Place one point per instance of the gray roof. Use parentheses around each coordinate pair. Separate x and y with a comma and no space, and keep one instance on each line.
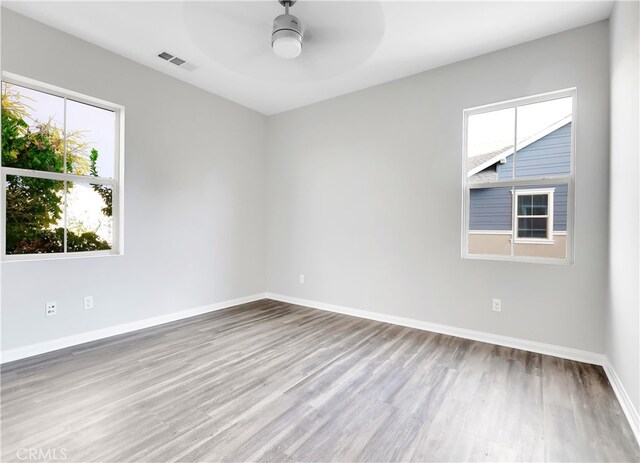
(475,161)
(490,174)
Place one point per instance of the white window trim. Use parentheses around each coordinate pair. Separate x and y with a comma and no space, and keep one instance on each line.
(549,216)
(490,232)
(569,180)
(117,183)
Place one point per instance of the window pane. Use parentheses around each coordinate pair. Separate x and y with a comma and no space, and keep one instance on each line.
(540,200)
(532,228)
(90,140)
(490,221)
(32,129)
(524,204)
(490,138)
(89,217)
(544,139)
(533,204)
(34,215)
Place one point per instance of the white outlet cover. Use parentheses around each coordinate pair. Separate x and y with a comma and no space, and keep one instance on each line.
(301,278)
(88,302)
(497,305)
(51,309)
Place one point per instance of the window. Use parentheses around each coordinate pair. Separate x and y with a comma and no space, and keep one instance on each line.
(534,215)
(518,179)
(61,172)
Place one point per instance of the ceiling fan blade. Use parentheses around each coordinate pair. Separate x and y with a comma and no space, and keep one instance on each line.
(240,13)
(333,34)
(218,20)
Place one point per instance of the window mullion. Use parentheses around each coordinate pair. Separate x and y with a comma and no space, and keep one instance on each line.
(65,222)
(514,196)
(64,138)
(550,216)
(64,170)
(58,176)
(3,197)
(565,179)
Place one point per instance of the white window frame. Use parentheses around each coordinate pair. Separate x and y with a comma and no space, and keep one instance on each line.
(549,216)
(116,183)
(534,183)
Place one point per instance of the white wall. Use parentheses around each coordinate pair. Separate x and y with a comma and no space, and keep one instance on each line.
(194,200)
(365,198)
(623,321)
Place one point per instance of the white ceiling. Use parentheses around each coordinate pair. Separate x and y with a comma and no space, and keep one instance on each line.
(348,45)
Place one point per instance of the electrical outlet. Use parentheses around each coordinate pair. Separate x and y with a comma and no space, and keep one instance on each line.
(88,302)
(301,278)
(51,309)
(497,305)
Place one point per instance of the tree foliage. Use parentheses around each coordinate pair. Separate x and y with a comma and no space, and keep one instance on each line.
(104,191)
(35,206)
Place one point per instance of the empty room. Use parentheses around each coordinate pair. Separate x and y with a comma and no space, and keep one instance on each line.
(320,231)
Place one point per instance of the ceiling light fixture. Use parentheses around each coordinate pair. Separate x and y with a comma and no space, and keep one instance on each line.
(286,38)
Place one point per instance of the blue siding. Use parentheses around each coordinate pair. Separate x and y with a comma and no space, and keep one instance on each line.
(551,155)
(560,208)
(490,208)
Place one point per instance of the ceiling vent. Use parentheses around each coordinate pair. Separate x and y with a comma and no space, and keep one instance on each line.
(177,61)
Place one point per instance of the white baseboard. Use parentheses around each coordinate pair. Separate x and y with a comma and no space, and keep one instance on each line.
(516,343)
(625,401)
(48,346)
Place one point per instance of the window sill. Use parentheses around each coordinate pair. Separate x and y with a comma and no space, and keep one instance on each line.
(59,256)
(519,259)
(533,241)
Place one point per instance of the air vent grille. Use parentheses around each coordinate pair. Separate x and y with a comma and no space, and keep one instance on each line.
(177,61)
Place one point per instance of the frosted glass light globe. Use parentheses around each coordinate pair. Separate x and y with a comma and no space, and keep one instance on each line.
(287,46)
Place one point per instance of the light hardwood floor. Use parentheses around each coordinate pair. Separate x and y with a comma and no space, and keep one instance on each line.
(269,381)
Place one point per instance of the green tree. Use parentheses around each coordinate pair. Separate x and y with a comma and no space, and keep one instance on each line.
(34,206)
(104,191)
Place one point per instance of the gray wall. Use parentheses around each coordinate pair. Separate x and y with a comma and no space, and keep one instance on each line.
(623,318)
(194,200)
(364,198)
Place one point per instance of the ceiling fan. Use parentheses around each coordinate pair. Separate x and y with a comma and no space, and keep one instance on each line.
(325,41)
(286,38)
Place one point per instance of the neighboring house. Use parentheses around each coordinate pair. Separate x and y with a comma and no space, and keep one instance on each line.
(541,214)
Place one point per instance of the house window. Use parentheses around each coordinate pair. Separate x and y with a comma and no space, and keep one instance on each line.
(61,172)
(534,215)
(518,179)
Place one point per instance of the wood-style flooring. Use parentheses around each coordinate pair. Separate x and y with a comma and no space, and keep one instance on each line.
(269,381)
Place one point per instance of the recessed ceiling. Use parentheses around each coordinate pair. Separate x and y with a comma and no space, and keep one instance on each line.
(348,46)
